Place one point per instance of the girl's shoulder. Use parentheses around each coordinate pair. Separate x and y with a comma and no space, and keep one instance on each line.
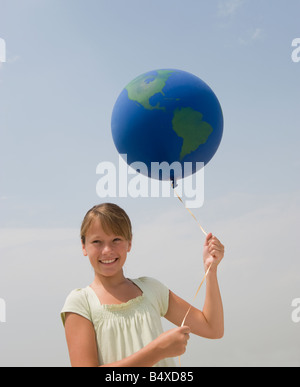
(149,282)
(77,302)
(77,295)
(155,291)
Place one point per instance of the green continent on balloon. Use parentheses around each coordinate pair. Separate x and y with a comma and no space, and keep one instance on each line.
(142,88)
(189,124)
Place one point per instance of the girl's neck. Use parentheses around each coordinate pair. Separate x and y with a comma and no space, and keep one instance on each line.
(109,282)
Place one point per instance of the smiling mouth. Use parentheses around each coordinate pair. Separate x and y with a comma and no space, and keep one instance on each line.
(108,261)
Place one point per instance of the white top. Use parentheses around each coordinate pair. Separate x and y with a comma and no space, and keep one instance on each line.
(123,329)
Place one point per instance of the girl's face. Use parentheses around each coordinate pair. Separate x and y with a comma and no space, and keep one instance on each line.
(107,253)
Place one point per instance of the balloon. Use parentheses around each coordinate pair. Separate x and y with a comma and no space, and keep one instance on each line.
(167,116)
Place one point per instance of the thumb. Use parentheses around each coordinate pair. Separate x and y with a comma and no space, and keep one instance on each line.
(185,329)
(208,237)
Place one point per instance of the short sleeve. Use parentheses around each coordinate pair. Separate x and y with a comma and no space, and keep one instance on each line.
(157,292)
(76,302)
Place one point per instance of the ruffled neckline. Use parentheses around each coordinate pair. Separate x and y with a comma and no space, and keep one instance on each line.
(124,305)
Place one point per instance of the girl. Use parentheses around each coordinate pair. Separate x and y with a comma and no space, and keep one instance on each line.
(116,321)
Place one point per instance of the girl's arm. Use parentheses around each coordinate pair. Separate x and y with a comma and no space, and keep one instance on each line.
(208,323)
(81,340)
(82,345)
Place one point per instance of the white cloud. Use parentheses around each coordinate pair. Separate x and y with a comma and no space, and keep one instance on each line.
(19,237)
(251,37)
(227,8)
(256,34)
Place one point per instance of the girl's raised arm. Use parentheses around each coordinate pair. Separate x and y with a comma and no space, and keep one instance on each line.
(208,323)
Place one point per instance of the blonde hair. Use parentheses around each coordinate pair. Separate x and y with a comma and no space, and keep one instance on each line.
(113,220)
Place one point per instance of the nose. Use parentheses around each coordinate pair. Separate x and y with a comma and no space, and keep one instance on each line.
(107,249)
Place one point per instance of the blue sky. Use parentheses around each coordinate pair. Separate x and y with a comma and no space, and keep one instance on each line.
(67,61)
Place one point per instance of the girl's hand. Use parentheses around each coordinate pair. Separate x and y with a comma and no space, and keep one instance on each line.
(213,252)
(173,342)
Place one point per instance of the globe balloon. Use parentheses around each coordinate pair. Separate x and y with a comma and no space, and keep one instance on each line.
(167,116)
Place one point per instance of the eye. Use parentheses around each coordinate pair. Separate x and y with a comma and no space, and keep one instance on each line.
(117,240)
(96,242)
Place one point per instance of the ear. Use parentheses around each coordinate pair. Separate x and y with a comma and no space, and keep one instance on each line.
(84,249)
(129,246)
